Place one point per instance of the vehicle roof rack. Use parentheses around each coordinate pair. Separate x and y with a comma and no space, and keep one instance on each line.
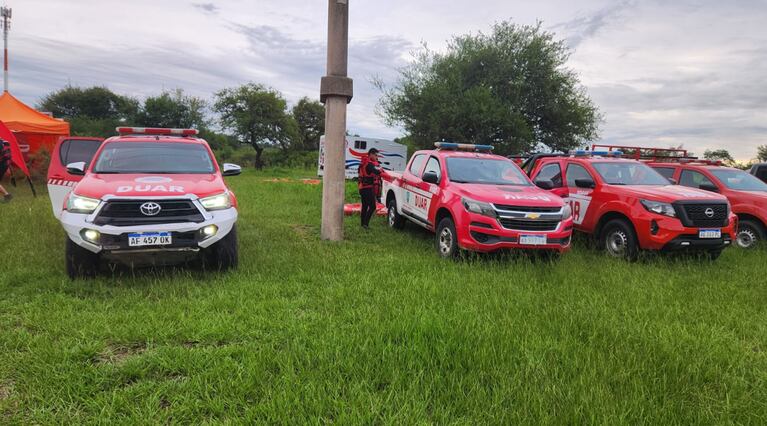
(451,146)
(660,155)
(593,153)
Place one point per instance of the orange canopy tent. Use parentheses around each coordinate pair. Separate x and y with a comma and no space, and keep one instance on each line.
(33,129)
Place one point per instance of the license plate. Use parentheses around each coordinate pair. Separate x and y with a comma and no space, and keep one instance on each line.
(710,233)
(532,240)
(149,239)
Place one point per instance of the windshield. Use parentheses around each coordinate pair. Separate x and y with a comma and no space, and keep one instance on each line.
(154,158)
(485,171)
(625,173)
(739,180)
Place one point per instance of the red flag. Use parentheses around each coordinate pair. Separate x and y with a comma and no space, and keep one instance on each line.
(16,157)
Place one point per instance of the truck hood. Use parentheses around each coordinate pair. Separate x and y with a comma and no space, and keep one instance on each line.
(531,196)
(670,193)
(138,185)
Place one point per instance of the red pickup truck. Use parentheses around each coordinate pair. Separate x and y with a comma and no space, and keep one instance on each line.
(476,201)
(628,206)
(746,193)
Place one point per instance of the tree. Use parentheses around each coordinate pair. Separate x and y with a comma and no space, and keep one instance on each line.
(173,109)
(257,116)
(93,111)
(509,88)
(310,119)
(761,153)
(719,154)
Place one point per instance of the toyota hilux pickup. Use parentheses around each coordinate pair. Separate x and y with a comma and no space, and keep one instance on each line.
(474,200)
(152,196)
(628,206)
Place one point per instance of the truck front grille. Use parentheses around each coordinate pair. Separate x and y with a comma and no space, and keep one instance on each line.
(529,225)
(527,209)
(695,215)
(128,213)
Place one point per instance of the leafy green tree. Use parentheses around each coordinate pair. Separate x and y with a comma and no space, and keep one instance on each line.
(510,88)
(258,116)
(92,111)
(310,120)
(719,154)
(761,153)
(173,109)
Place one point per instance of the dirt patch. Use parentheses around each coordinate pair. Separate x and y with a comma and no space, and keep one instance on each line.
(6,390)
(119,353)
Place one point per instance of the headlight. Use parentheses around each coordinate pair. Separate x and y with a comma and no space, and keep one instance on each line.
(665,209)
(217,202)
(567,211)
(478,207)
(78,204)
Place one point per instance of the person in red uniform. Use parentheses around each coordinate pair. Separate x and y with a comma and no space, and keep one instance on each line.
(369,184)
(5,162)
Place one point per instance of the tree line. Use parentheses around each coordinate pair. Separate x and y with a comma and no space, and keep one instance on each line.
(252,115)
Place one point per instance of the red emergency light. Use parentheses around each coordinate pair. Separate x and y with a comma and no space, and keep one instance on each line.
(156,131)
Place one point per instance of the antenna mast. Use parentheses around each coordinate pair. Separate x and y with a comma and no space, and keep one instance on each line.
(5,13)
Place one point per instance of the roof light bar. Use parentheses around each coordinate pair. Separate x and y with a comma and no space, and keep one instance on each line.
(587,153)
(156,131)
(463,146)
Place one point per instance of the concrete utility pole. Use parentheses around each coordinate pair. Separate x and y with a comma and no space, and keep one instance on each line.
(336,90)
(5,13)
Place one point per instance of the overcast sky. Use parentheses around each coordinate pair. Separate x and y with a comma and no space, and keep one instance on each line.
(662,72)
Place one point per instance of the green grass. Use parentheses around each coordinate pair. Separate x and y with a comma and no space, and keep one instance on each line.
(376,329)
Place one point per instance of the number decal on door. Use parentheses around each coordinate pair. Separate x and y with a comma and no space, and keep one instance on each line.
(580,206)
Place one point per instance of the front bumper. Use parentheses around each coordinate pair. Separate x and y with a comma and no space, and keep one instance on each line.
(114,239)
(484,234)
(656,232)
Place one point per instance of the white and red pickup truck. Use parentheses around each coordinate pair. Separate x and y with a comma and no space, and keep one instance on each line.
(476,201)
(147,196)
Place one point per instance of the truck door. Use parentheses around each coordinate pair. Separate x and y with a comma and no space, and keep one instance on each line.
(413,204)
(553,172)
(579,198)
(61,182)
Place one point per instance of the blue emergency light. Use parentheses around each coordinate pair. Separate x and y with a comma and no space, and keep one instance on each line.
(587,153)
(463,146)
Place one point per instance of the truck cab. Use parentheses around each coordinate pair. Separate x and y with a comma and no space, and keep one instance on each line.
(474,200)
(74,149)
(628,206)
(746,193)
(152,196)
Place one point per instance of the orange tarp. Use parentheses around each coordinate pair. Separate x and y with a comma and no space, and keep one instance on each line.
(33,129)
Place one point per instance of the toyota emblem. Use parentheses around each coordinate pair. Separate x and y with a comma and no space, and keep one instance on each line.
(709,212)
(150,209)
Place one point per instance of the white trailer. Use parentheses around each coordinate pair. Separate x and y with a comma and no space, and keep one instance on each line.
(392,155)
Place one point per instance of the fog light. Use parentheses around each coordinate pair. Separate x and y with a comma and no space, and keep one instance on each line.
(209,231)
(91,235)
(654,228)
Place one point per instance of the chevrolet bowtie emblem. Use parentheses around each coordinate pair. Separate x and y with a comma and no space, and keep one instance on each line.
(532,216)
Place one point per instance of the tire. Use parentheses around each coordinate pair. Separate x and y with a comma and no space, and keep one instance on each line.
(80,262)
(750,234)
(619,240)
(446,239)
(223,255)
(394,219)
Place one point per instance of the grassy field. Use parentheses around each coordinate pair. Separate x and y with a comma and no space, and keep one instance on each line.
(374,330)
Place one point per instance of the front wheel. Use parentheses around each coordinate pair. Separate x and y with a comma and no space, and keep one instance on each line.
(619,240)
(80,263)
(447,239)
(394,219)
(224,254)
(750,234)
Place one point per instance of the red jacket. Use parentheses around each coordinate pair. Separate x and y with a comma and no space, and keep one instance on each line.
(369,174)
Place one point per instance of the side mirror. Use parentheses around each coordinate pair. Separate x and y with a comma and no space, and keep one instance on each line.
(431,177)
(544,184)
(77,169)
(585,183)
(708,187)
(231,169)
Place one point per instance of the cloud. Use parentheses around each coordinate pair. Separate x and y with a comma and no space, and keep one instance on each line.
(209,8)
(587,26)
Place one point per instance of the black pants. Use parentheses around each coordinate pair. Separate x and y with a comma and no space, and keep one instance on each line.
(368,205)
